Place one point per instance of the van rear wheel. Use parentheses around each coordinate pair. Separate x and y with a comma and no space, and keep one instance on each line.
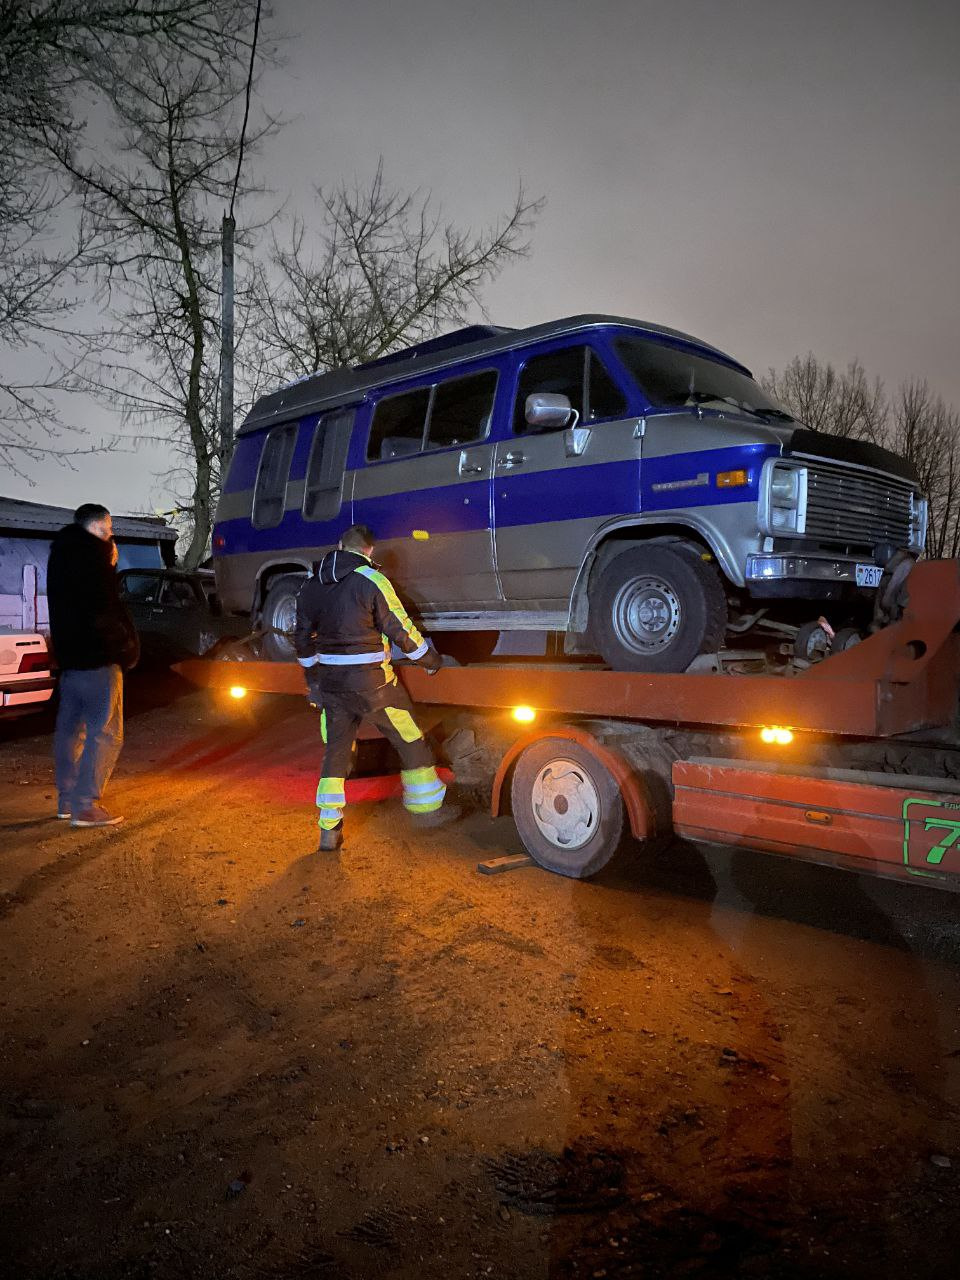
(657,607)
(279,618)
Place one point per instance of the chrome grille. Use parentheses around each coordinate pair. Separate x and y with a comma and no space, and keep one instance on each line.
(856,506)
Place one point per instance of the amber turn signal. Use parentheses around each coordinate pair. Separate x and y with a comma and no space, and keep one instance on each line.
(731,479)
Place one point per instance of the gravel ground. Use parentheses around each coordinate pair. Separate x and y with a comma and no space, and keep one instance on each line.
(222,1055)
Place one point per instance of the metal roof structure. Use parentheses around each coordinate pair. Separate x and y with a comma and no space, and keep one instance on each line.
(17,516)
(342,386)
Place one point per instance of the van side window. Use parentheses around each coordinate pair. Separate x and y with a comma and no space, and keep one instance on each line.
(398,425)
(575,372)
(328,456)
(461,410)
(270,495)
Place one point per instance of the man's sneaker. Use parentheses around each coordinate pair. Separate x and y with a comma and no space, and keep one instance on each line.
(441,817)
(94,816)
(330,841)
(64,815)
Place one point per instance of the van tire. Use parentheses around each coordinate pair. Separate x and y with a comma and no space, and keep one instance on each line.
(656,607)
(279,617)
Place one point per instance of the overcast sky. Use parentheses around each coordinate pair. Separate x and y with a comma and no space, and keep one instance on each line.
(773,177)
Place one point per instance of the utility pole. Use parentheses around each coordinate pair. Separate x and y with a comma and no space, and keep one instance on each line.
(226,340)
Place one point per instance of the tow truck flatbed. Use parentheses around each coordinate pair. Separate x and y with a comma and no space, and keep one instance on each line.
(620,753)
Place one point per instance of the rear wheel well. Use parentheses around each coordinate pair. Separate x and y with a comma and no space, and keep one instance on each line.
(269,576)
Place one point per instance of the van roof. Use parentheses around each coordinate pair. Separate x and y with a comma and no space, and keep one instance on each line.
(343,386)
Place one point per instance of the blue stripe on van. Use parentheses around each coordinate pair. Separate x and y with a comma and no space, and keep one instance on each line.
(606,489)
(451,508)
(684,468)
(292,533)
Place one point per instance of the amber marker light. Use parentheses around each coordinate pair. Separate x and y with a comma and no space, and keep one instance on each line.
(524,715)
(776,735)
(731,479)
(237,691)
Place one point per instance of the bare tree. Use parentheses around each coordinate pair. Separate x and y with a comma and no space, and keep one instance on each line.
(927,432)
(56,56)
(158,199)
(382,270)
(838,403)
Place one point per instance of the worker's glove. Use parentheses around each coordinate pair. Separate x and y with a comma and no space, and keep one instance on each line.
(431,661)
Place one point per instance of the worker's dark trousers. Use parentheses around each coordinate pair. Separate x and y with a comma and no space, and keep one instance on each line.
(364,696)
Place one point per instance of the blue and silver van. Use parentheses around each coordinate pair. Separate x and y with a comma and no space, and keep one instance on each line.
(621,482)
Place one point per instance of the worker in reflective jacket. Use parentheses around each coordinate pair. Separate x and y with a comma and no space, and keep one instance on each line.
(348,616)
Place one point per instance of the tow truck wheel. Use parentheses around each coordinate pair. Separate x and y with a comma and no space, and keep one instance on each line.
(567,808)
(280,617)
(657,607)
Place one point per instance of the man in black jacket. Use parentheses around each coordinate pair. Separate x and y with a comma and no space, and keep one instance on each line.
(348,615)
(94,641)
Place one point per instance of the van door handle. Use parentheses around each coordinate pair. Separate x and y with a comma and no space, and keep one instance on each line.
(468,469)
(511,460)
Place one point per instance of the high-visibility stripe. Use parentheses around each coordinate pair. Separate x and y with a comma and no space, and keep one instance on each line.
(404,724)
(308,662)
(423,790)
(349,659)
(392,599)
(323,726)
(419,652)
(331,802)
(422,773)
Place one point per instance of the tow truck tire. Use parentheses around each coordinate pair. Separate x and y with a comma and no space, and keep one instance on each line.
(657,607)
(279,618)
(567,808)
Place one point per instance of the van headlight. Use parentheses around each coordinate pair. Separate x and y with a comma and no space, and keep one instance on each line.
(783,498)
(919,514)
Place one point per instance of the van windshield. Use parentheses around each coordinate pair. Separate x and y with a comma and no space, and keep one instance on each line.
(671,378)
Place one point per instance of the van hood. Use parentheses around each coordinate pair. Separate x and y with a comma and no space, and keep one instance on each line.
(337,565)
(861,452)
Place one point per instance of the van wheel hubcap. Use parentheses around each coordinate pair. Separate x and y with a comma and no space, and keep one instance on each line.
(646,615)
(565,803)
(284,615)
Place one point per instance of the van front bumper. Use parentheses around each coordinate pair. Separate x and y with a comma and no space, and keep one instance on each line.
(775,571)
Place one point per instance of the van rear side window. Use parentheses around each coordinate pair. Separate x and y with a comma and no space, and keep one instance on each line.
(270,495)
(322,494)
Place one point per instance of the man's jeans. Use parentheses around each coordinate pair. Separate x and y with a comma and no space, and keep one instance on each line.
(88,736)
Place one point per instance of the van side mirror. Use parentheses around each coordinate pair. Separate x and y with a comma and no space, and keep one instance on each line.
(548,411)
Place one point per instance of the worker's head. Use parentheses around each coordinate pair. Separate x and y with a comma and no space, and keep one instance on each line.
(95,519)
(358,538)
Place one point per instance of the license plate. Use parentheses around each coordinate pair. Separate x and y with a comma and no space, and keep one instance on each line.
(869,575)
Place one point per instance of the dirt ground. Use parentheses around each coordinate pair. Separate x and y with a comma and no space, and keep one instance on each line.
(222,1055)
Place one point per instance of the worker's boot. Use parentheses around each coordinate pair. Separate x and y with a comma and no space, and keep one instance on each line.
(441,817)
(330,841)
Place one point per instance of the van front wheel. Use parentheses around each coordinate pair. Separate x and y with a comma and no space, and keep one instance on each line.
(279,618)
(657,607)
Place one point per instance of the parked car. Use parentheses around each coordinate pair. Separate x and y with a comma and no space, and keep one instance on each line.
(176,612)
(621,482)
(26,677)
